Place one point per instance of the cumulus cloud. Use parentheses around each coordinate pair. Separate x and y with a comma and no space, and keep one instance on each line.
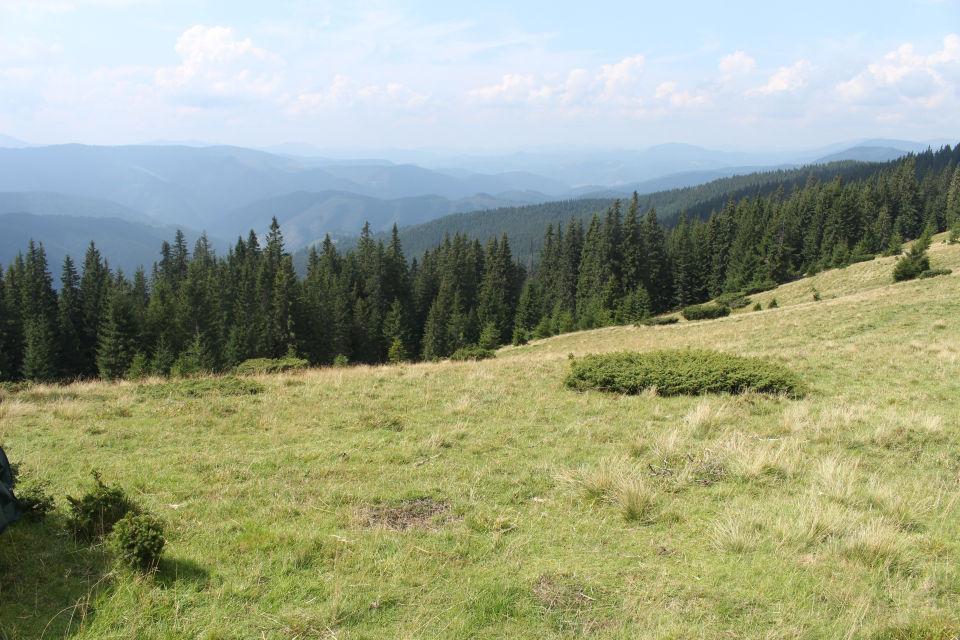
(616,83)
(512,88)
(737,63)
(620,78)
(785,79)
(671,93)
(346,92)
(906,75)
(216,65)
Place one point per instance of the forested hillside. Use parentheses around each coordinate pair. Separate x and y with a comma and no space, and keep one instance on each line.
(525,225)
(196,311)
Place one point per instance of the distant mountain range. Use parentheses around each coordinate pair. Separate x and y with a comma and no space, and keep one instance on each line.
(150,189)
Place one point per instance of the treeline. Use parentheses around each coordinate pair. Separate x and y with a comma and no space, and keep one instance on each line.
(525,225)
(624,265)
(196,311)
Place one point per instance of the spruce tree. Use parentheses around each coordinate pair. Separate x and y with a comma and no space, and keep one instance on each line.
(70,322)
(94,290)
(39,304)
(117,342)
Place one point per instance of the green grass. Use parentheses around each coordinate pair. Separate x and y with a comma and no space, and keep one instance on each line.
(486,500)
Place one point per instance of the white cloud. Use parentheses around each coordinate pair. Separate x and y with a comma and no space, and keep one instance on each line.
(908,76)
(346,92)
(616,83)
(669,92)
(512,88)
(785,79)
(620,78)
(737,63)
(215,65)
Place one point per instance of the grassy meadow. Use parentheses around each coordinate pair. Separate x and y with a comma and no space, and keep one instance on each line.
(487,500)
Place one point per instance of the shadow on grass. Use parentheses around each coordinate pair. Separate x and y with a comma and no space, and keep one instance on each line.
(173,572)
(50,583)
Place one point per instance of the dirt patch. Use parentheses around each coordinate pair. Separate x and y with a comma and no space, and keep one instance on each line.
(418,513)
(557,592)
(569,605)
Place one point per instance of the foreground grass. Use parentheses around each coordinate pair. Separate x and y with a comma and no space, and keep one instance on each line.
(483,499)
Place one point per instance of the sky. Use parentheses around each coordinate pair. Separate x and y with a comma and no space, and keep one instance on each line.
(486,76)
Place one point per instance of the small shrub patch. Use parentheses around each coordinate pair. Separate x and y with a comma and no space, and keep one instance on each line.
(933,273)
(201,388)
(138,540)
(759,287)
(34,500)
(472,353)
(681,372)
(734,300)
(93,515)
(707,311)
(658,321)
(256,366)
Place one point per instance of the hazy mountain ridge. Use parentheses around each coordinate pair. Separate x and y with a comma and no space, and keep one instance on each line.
(126,244)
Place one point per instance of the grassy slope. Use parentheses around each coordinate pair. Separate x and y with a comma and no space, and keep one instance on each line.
(828,517)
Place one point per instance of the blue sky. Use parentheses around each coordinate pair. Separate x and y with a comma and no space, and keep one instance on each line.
(495,75)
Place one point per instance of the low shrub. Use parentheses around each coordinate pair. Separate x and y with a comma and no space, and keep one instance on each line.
(773,304)
(34,501)
(201,387)
(341,360)
(910,267)
(735,300)
(860,257)
(707,311)
(139,367)
(757,307)
(472,352)
(681,372)
(759,287)
(916,260)
(138,540)
(658,321)
(256,366)
(933,273)
(93,515)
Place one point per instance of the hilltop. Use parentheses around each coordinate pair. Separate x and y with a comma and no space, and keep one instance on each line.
(481,499)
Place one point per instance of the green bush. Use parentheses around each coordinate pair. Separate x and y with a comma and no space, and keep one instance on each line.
(397,352)
(201,388)
(681,372)
(139,367)
(933,273)
(954,236)
(916,261)
(759,287)
(910,267)
(773,304)
(757,307)
(256,366)
(472,352)
(341,360)
(489,337)
(34,500)
(860,257)
(138,540)
(659,321)
(734,300)
(707,311)
(93,515)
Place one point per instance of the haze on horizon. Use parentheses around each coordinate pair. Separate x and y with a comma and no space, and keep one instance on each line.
(502,76)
